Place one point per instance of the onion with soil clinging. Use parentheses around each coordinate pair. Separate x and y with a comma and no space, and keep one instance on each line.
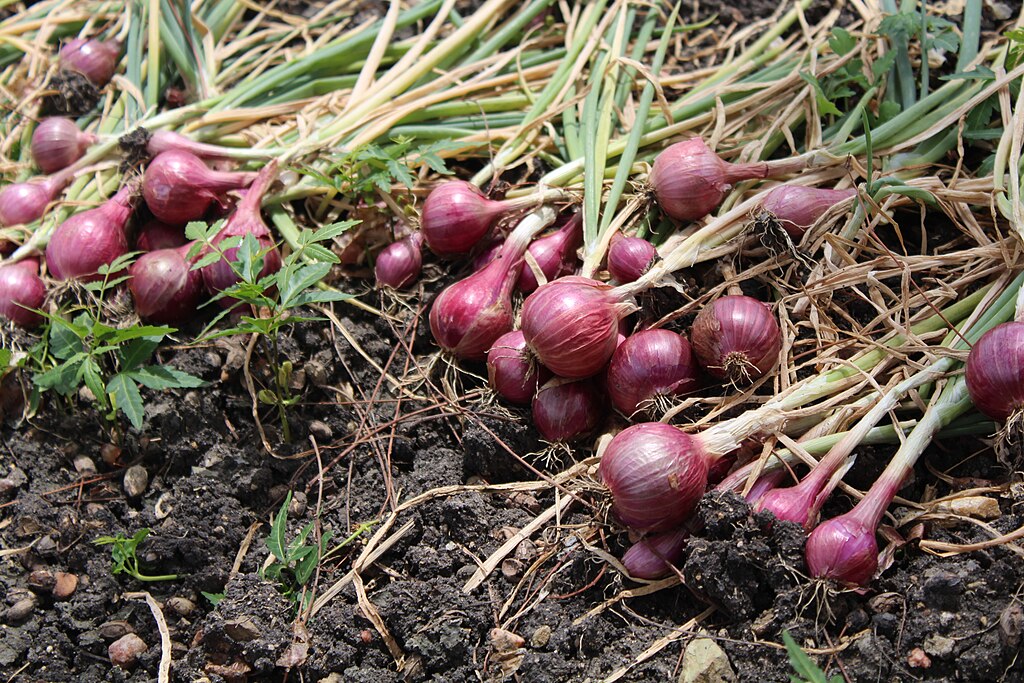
(399,264)
(649,368)
(21,290)
(650,557)
(469,315)
(572,325)
(554,254)
(57,143)
(94,59)
(510,372)
(797,207)
(629,258)
(246,220)
(165,287)
(566,410)
(179,187)
(90,239)
(23,203)
(736,338)
(689,180)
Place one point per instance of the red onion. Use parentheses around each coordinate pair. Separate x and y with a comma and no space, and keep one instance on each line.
(57,143)
(797,208)
(23,203)
(246,220)
(399,264)
(656,474)
(651,557)
(94,59)
(572,325)
(164,286)
(736,338)
(689,180)
(566,410)
(648,367)
(469,315)
(21,289)
(179,187)
(510,372)
(555,254)
(93,238)
(844,549)
(158,235)
(487,255)
(457,215)
(995,371)
(161,141)
(629,258)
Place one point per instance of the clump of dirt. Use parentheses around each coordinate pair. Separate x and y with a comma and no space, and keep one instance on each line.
(72,95)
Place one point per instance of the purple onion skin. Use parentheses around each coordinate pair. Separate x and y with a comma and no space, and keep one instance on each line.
(57,143)
(94,59)
(797,207)
(843,549)
(736,338)
(510,373)
(656,474)
(650,558)
(456,216)
(567,410)
(629,258)
(93,238)
(21,289)
(156,235)
(572,325)
(555,254)
(165,287)
(649,364)
(179,187)
(995,371)
(399,264)
(23,203)
(487,254)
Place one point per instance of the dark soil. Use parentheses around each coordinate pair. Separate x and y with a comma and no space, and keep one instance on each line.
(551,611)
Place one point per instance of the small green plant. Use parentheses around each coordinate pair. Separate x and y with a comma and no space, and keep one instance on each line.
(125,560)
(271,301)
(293,562)
(112,362)
(804,666)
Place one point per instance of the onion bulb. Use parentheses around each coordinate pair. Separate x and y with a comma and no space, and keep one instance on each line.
(165,287)
(399,264)
(736,338)
(651,557)
(158,235)
(23,203)
(629,258)
(456,216)
(995,371)
(797,207)
(648,368)
(90,239)
(57,143)
(566,410)
(554,254)
(21,291)
(179,187)
(510,371)
(94,59)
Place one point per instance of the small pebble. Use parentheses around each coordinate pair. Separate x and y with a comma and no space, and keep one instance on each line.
(505,641)
(242,629)
(180,606)
(298,505)
(110,454)
(938,645)
(541,636)
(136,479)
(1011,625)
(321,430)
(112,630)
(85,465)
(917,659)
(125,651)
(65,585)
(43,579)
(316,373)
(20,611)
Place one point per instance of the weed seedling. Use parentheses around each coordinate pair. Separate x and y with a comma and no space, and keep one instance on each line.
(804,666)
(125,560)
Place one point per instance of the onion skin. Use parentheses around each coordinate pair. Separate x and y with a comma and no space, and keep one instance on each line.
(793,503)
(843,549)
(179,187)
(510,372)
(690,180)
(656,474)
(650,558)
(165,287)
(567,410)
(648,365)
(456,216)
(736,338)
(487,255)
(246,220)
(555,254)
(629,258)
(399,264)
(165,141)
(94,59)
(90,239)
(158,235)
(995,371)
(21,289)
(24,203)
(572,325)
(57,143)
(797,207)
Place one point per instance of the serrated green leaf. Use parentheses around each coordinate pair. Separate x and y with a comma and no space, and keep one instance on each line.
(196,231)
(89,372)
(883,64)
(801,663)
(5,358)
(154,332)
(300,280)
(66,338)
(126,398)
(137,352)
(316,252)
(276,541)
(62,378)
(319,297)
(824,105)
(214,598)
(164,377)
(329,232)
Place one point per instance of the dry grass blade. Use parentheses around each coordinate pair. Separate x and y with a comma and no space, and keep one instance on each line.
(660,644)
(164,672)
